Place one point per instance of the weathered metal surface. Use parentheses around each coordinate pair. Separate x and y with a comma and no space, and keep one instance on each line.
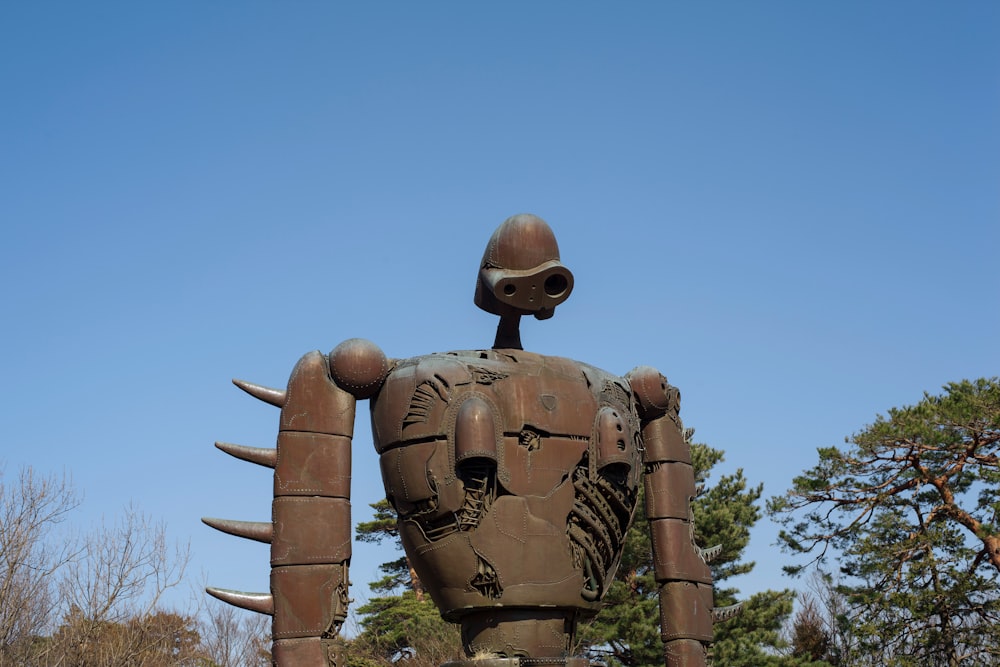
(515,478)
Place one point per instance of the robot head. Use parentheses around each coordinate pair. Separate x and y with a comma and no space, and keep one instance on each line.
(520,273)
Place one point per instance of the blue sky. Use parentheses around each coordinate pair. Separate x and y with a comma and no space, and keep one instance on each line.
(791,209)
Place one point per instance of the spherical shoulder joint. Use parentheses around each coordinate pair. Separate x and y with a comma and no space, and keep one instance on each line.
(359,367)
(654,395)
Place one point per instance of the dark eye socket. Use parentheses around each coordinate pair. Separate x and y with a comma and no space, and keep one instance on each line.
(555,284)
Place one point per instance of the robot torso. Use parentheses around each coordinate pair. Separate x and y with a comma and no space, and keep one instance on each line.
(514,476)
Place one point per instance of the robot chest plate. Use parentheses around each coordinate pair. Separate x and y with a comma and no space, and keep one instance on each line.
(525,392)
(537,417)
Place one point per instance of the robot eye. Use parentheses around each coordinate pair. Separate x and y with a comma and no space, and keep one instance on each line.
(509,289)
(555,284)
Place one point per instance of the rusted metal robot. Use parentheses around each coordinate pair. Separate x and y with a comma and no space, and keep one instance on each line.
(515,477)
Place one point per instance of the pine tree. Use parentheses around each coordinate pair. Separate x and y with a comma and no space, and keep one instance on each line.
(910,510)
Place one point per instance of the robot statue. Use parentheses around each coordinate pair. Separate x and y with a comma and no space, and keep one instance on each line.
(515,478)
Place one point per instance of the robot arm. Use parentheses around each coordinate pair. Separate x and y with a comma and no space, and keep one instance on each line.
(310,528)
(686,606)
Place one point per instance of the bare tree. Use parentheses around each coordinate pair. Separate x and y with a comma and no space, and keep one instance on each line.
(31,509)
(234,638)
(112,596)
(96,601)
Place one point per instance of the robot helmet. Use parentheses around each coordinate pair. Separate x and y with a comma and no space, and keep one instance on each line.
(521,273)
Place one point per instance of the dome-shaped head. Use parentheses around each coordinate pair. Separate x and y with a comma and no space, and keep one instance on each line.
(520,273)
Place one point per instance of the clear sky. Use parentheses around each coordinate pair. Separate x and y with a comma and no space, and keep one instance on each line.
(790,208)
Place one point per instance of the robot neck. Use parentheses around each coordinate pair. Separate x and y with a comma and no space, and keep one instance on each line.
(508,333)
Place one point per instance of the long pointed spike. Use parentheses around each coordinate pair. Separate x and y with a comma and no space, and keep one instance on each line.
(711,553)
(720,614)
(262,531)
(262,603)
(275,397)
(264,456)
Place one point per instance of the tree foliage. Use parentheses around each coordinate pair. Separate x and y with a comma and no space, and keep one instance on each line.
(159,639)
(911,509)
(401,630)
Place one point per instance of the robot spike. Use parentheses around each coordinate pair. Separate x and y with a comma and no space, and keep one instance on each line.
(262,603)
(711,553)
(262,531)
(264,456)
(720,614)
(275,397)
